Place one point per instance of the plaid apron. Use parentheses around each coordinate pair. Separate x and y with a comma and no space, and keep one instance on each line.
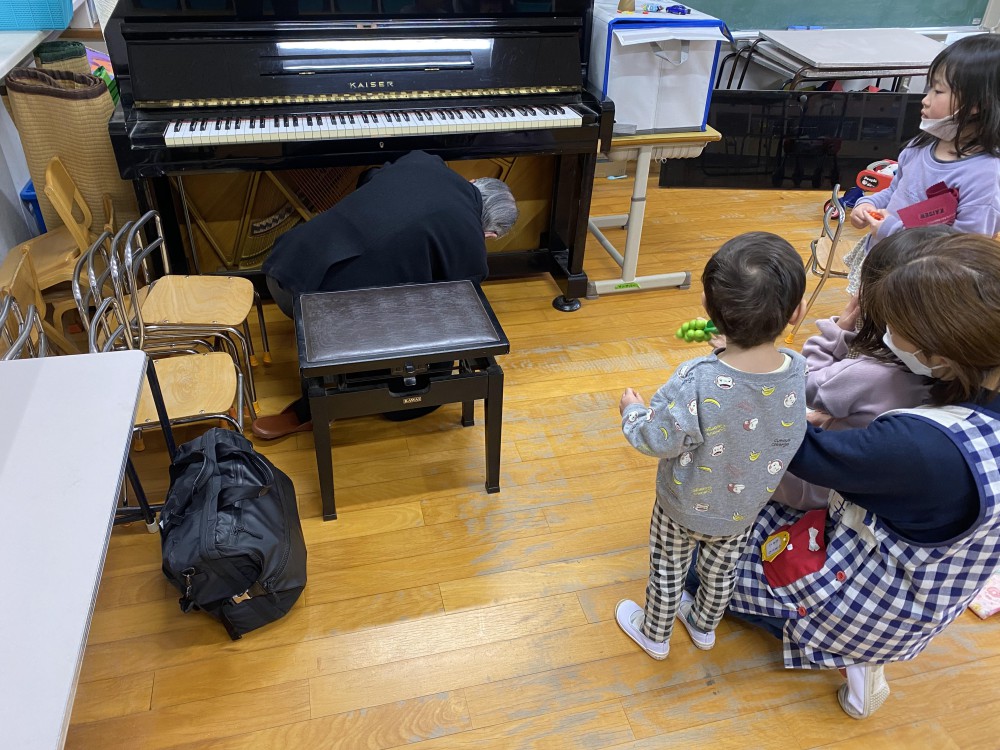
(879,598)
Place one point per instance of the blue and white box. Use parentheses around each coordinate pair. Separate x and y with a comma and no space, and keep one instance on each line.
(657,67)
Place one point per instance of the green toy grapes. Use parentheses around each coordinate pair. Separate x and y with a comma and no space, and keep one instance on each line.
(697,330)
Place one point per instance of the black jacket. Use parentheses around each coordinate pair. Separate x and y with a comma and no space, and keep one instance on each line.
(415,221)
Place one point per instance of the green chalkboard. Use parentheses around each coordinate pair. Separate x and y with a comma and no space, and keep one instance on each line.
(741,15)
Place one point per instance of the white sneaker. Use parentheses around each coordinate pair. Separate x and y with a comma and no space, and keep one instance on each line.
(865,690)
(629,616)
(701,639)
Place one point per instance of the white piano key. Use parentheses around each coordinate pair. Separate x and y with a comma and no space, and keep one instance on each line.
(375,124)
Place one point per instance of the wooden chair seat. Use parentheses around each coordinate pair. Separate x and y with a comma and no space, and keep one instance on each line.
(198,300)
(828,256)
(192,385)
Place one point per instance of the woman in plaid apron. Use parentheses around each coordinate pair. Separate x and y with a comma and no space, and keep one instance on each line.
(913,527)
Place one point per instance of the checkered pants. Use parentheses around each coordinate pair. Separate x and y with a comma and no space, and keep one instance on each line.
(670,549)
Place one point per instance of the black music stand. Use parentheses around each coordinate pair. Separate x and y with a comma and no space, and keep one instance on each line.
(371,351)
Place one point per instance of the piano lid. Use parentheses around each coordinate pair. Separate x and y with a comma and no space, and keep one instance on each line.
(229,11)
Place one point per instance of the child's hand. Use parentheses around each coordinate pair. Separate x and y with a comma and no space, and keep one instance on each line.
(866,215)
(628,398)
(818,418)
(848,319)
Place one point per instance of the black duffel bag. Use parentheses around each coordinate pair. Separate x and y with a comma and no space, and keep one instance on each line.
(230,533)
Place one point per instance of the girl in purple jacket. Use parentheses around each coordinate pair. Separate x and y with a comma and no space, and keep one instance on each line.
(956,157)
(853,377)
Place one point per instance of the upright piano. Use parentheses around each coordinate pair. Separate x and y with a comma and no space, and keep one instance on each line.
(252,85)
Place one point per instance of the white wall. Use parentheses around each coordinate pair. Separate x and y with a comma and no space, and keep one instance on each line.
(14,227)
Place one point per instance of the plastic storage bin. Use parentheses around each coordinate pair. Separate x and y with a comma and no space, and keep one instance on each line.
(30,200)
(35,14)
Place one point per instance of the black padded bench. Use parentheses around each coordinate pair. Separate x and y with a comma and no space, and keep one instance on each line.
(372,351)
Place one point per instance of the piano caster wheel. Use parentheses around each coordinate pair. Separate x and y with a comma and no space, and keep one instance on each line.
(566,305)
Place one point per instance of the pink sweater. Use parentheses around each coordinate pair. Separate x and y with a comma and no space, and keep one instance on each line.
(852,391)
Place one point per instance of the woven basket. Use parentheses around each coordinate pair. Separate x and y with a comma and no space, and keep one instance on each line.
(64,114)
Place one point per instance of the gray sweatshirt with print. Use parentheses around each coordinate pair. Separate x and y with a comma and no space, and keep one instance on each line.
(724,438)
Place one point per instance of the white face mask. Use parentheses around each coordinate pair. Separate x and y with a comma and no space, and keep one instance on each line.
(944,128)
(909,359)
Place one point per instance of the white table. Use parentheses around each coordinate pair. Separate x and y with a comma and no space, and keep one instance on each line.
(642,148)
(65,428)
(845,54)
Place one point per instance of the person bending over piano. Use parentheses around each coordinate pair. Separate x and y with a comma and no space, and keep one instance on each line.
(410,221)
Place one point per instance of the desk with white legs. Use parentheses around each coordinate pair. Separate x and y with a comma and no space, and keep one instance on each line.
(65,430)
(643,148)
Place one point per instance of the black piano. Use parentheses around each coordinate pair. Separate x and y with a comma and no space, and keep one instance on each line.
(251,85)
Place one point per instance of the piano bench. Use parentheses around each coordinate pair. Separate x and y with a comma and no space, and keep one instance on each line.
(389,349)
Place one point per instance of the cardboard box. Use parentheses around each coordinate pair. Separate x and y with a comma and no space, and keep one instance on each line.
(658,68)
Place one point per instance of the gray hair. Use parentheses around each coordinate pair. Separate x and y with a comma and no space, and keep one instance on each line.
(499,206)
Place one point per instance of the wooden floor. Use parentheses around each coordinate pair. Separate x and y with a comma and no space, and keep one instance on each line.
(437,616)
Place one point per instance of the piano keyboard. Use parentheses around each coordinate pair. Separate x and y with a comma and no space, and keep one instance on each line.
(314,127)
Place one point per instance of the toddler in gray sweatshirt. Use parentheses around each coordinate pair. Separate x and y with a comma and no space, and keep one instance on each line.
(724,427)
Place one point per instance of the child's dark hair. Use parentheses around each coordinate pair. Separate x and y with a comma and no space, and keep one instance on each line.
(971,68)
(947,303)
(893,251)
(753,284)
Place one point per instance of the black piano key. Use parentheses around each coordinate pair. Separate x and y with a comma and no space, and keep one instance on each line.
(398,118)
(286,121)
(253,123)
(406,116)
(343,120)
(364,117)
(295,121)
(263,122)
(203,125)
(177,126)
(276,123)
(309,121)
(236,125)
(218,124)
(228,123)
(351,118)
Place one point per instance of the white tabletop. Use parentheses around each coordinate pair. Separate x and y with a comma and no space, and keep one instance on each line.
(65,426)
(856,48)
(16,46)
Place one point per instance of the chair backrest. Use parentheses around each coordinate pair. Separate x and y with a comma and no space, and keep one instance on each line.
(135,250)
(67,200)
(91,280)
(16,329)
(825,247)
(108,328)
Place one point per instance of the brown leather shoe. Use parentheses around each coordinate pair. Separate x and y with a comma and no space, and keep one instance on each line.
(279,425)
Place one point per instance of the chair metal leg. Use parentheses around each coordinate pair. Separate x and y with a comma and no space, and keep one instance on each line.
(253,352)
(812,298)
